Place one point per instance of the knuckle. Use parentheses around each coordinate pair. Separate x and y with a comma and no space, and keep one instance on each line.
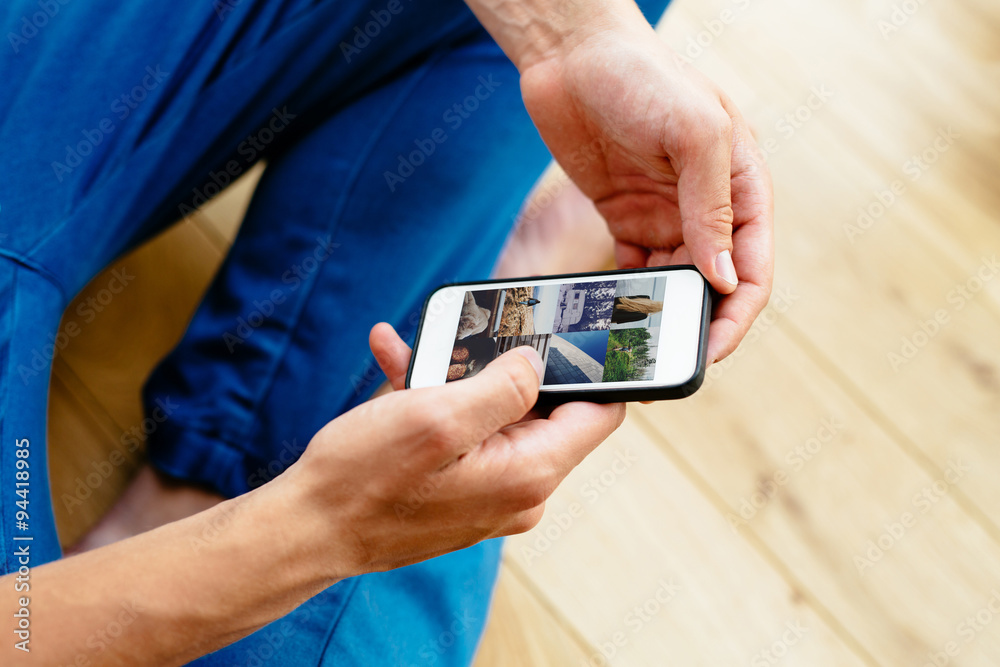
(446,436)
(708,126)
(718,225)
(719,219)
(431,421)
(422,413)
(522,384)
(531,492)
(531,497)
(718,125)
(527,520)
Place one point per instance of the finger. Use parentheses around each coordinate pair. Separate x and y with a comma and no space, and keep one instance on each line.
(628,256)
(676,256)
(736,312)
(518,468)
(646,219)
(391,353)
(753,250)
(475,408)
(705,170)
(556,445)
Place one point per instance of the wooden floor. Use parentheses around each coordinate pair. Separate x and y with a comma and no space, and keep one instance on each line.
(832,496)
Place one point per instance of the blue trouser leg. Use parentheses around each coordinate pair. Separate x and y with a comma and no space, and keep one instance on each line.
(115,113)
(427,614)
(330,245)
(281,338)
(334,241)
(112,118)
(30,307)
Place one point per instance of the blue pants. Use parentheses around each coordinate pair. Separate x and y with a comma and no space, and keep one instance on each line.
(399,152)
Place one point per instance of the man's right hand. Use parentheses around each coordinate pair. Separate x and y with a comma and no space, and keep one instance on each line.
(418,473)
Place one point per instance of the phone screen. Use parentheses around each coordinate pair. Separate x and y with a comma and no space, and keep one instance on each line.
(603,329)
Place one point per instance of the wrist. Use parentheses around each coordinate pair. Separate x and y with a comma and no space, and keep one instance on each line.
(540,31)
(313,524)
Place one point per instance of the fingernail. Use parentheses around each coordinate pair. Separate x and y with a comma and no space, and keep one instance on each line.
(531,355)
(724,267)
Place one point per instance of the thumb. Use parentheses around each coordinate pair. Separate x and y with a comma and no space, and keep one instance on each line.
(500,394)
(391,352)
(706,207)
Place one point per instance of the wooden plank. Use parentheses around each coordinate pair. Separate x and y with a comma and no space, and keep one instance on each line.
(835,505)
(643,566)
(90,463)
(893,306)
(821,352)
(133,313)
(522,632)
(221,217)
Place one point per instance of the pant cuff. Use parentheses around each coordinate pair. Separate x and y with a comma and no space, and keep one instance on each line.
(203,458)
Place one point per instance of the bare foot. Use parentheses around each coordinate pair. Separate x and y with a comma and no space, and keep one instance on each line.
(558,231)
(151,500)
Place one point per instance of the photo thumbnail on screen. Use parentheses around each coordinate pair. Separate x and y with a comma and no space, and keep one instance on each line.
(585,331)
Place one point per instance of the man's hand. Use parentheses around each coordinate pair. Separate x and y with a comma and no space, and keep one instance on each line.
(668,161)
(418,473)
(399,479)
(662,152)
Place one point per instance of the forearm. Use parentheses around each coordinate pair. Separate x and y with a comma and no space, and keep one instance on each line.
(531,31)
(175,593)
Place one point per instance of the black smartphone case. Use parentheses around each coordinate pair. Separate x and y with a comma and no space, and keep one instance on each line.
(609,395)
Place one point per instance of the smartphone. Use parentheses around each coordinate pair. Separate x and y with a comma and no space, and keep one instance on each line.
(630,335)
